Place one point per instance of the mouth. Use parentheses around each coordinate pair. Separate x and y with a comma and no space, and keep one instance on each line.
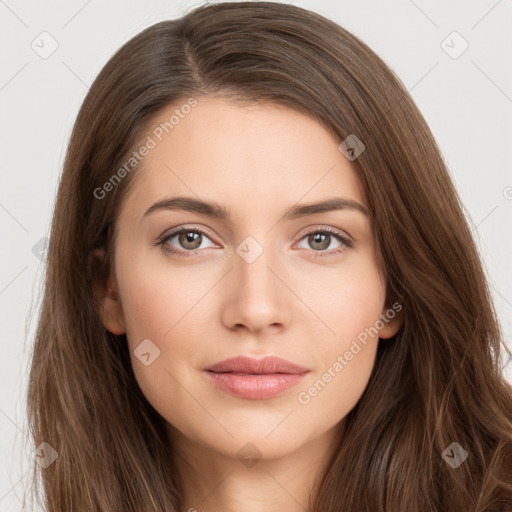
(255,379)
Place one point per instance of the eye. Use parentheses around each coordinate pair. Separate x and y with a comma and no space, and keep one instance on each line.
(188,240)
(321,239)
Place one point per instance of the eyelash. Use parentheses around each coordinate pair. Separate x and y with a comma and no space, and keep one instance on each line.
(186,254)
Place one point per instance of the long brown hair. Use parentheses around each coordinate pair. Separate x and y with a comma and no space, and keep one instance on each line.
(438,381)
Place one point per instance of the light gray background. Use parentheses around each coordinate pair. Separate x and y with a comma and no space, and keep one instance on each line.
(467,102)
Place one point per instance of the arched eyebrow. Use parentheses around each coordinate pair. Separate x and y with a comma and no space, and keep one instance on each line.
(217,211)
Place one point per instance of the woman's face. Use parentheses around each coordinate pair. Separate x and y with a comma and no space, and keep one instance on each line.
(267,279)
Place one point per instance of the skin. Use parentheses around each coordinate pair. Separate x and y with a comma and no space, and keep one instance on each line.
(212,305)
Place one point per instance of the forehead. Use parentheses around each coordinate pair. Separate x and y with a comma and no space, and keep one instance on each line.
(250,157)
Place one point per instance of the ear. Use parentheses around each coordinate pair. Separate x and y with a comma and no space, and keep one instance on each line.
(392,317)
(111,311)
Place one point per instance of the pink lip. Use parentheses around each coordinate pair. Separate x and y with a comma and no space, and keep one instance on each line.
(269,364)
(255,378)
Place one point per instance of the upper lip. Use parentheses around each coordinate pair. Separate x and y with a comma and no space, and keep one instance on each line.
(266,365)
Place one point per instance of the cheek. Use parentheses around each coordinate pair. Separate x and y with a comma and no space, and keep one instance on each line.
(160,310)
(159,300)
(350,306)
(349,301)
(168,307)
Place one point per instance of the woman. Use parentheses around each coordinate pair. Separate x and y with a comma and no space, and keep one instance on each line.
(261,290)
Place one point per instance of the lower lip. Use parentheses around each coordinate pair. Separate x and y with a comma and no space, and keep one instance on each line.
(255,387)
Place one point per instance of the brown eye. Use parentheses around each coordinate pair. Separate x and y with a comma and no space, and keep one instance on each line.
(321,240)
(188,240)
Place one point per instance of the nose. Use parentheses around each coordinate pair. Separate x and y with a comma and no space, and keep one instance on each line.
(256,297)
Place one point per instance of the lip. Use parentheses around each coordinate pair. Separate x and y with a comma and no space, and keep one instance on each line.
(255,379)
(265,365)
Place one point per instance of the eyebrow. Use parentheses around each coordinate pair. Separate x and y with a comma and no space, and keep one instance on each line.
(216,211)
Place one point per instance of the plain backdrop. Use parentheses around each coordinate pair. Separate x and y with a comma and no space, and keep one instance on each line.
(454,57)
